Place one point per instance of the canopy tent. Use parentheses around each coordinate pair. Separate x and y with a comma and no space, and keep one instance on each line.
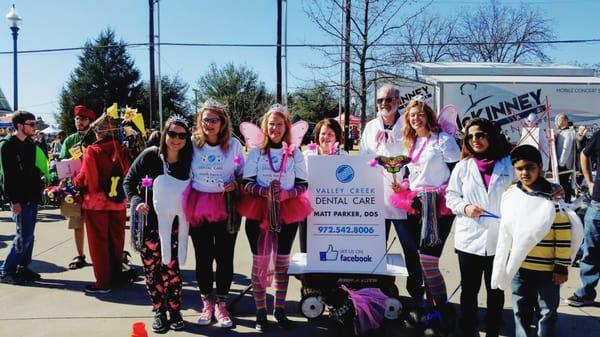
(6,121)
(51,130)
(353,120)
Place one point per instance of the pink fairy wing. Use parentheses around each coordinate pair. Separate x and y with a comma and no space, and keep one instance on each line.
(299,129)
(447,119)
(253,135)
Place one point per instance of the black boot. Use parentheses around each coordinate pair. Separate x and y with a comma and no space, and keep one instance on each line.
(161,323)
(176,320)
(281,318)
(262,323)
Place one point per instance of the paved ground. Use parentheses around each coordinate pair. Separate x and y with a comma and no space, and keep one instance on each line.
(58,307)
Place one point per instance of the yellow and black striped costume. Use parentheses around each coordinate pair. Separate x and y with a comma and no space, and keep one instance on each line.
(553,253)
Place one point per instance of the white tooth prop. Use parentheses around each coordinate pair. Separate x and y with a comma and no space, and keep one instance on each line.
(167,194)
(525,221)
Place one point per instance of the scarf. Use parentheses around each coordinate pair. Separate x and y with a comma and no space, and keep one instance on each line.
(486,167)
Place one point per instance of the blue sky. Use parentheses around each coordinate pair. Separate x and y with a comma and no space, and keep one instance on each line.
(69,23)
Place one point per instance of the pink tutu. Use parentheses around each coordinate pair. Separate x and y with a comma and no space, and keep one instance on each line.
(292,210)
(199,207)
(403,200)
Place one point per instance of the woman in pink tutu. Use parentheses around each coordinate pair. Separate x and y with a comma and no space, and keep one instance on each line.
(274,204)
(216,169)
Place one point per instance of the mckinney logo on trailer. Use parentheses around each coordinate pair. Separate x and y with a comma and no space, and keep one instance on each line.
(405,96)
(503,110)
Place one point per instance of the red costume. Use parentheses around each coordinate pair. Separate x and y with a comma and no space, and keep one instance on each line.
(104,218)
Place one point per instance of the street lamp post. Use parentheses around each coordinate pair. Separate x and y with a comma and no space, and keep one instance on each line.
(14,19)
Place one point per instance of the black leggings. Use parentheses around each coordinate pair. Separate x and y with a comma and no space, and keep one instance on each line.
(472,268)
(285,238)
(213,242)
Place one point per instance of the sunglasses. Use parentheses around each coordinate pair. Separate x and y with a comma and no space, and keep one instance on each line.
(211,120)
(32,124)
(180,135)
(477,135)
(386,99)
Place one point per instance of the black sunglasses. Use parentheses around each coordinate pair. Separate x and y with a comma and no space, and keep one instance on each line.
(32,124)
(386,99)
(180,135)
(477,135)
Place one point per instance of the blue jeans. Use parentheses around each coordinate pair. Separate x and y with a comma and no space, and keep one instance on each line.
(533,289)
(409,238)
(589,267)
(21,250)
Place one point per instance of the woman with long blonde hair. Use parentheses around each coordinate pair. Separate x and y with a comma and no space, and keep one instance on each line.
(433,154)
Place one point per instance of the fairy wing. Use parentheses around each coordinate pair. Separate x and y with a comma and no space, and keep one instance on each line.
(447,119)
(253,135)
(298,131)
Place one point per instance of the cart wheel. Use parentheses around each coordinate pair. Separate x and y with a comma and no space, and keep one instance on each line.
(393,308)
(312,306)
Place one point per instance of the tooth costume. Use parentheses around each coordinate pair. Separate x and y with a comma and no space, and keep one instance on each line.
(168,204)
(163,280)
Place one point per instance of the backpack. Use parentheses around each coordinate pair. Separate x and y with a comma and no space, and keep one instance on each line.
(113,189)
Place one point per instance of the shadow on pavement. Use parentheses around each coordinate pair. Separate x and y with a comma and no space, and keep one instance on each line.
(46,217)
(46,267)
(5,239)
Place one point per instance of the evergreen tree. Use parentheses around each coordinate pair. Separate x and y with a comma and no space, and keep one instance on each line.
(314,103)
(239,88)
(106,74)
(174,99)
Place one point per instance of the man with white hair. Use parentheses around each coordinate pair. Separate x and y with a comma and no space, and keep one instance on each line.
(565,153)
(382,136)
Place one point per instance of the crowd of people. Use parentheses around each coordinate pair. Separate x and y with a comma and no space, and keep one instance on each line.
(197,181)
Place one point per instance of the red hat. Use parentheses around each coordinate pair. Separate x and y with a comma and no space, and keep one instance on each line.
(84,111)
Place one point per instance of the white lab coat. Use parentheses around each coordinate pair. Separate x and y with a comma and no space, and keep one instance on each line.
(477,236)
(393,146)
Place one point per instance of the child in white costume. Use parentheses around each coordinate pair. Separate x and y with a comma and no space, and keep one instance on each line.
(534,246)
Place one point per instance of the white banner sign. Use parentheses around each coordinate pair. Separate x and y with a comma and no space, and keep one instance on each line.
(509,104)
(408,91)
(346,231)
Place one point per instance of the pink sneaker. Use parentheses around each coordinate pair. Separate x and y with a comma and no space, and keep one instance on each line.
(222,315)
(208,308)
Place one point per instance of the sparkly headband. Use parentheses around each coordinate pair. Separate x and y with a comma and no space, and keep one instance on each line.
(176,118)
(211,104)
(278,108)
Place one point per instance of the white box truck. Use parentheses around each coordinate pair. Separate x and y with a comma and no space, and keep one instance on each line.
(508,93)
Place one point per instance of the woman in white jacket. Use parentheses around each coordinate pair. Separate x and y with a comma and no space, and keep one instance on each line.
(474,193)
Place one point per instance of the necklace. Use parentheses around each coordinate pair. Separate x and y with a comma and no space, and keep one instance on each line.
(271,162)
(416,158)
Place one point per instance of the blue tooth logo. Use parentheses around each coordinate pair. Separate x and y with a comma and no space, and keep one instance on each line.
(344,173)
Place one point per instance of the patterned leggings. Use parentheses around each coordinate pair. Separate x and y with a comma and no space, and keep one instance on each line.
(162,281)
